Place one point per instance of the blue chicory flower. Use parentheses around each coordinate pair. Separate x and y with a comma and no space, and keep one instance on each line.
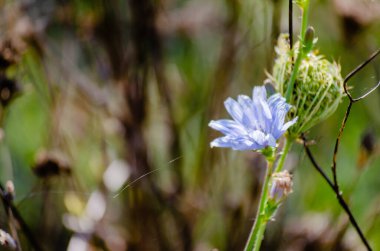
(257,123)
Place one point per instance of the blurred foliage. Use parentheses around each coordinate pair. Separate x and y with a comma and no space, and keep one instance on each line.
(104,130)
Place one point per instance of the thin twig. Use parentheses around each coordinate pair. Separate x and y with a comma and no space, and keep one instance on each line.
(339,196)
(338,139)
(336,148)
(291,24)
(352,101)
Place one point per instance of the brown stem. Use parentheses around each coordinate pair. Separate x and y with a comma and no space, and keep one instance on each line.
(339,196)
(291,24)
(336,148)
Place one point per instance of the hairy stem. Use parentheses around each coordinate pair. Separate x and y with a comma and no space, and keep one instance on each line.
(285,151)
(257,231)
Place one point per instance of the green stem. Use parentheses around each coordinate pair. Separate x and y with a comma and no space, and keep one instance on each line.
(305,18)
(257,231)
(292,79)
(287,145)
(297,64)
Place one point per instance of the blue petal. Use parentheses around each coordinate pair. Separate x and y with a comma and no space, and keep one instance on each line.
(263,139)
(258,122)
(259,137)
(289,124)
(266,109)
(259,92)
(280,108)
(234,109)
(271,140)
(221,142)
(227,127)
(263,121)
(250,120)
(244,143)
(241,143)
(274,100)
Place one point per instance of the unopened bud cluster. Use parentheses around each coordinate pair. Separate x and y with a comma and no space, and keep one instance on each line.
(318,88)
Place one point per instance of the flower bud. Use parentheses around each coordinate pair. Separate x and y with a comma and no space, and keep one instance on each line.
(318,88)
(281,186)
(309,40)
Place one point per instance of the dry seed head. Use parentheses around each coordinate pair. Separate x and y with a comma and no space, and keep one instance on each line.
(318,88)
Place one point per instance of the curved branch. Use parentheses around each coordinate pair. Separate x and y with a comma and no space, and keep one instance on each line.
(339,196)
(336,148)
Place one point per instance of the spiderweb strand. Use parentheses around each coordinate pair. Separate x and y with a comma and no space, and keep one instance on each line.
(129,184)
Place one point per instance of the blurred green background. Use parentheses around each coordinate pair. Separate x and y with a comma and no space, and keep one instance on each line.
(105,107)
